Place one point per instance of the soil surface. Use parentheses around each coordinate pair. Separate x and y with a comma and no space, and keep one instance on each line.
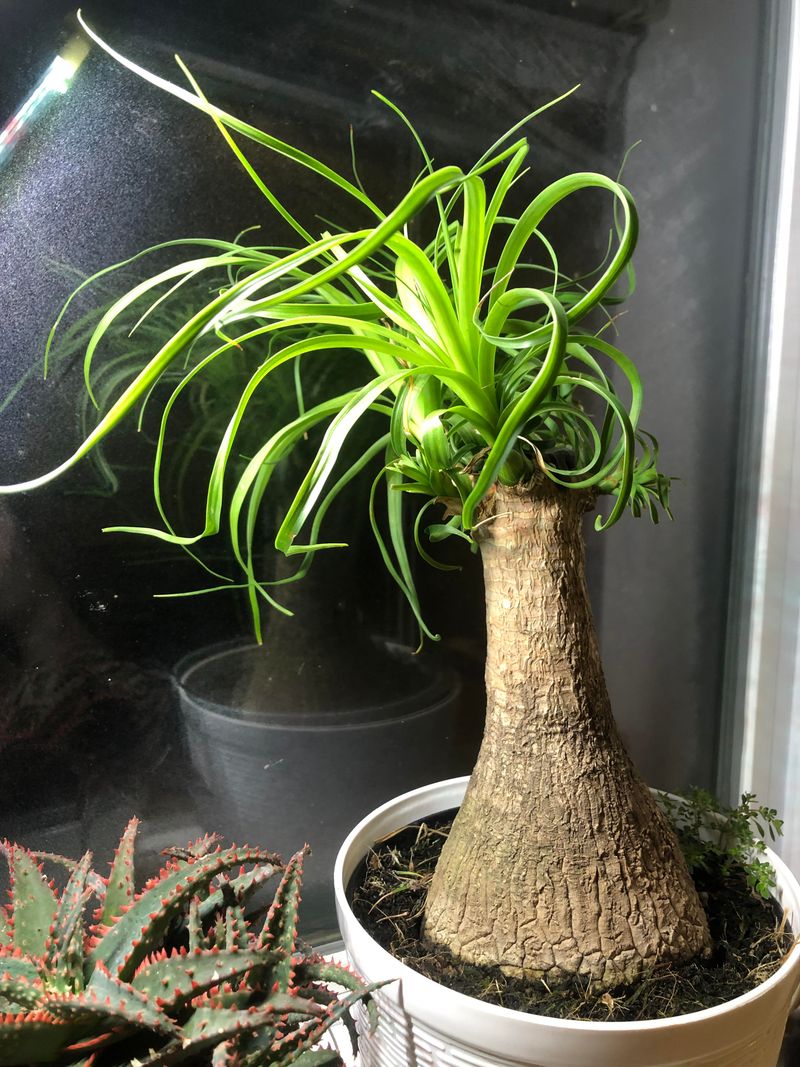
(750,936)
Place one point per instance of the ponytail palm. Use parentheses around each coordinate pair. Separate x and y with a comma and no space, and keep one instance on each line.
(493,392)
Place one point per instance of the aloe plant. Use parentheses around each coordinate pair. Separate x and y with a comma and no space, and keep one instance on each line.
(175,972)
(484,367)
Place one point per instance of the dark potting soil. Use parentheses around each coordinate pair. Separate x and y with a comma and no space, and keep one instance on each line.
(750,940)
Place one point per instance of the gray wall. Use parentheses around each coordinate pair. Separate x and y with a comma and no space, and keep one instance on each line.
(662,592)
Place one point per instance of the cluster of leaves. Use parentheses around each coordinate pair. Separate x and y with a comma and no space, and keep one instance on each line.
(716,837)
(129,348)
(480,355)
(176,972)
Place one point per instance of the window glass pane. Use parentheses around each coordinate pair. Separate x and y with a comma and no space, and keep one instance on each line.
(114,702)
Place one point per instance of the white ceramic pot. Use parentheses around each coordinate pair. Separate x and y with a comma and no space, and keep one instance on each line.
(424,1024)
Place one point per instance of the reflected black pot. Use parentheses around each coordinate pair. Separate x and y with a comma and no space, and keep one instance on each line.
(279,771)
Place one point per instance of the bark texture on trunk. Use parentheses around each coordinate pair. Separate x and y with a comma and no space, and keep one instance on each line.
(559,862)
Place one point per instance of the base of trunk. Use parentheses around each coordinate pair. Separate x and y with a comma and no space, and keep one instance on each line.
(420,1017)
(586,881)
(559,862)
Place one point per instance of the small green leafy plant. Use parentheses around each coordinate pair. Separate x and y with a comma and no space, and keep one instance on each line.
(714,836)
(176,972)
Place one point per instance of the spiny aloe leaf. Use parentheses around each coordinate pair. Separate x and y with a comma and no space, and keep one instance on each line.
(120,880)
(280,926)
(194,926)
(206,1021)
(6,937)
(318,969)
(226,1054)
(107,998)
(93,880)
(64,953)
(34,1037)
(13,966)
(258,1050)
(242,887)
(237,999)
(21,992)
(236,935)
(328,999)
(206,1027)
(171,864)
(302,1038)
(95,1043)
(201,846)
(255,1048)
(141,929)
(317,1057)
(176,979)
(33,901)
(216,935)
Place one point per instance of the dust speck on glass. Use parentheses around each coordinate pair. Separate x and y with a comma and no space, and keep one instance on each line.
(113,703)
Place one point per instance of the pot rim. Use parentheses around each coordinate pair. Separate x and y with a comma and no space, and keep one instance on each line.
(436,691)
(500,1014)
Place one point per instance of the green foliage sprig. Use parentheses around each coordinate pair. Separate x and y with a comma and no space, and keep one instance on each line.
(480,356)
(714,836)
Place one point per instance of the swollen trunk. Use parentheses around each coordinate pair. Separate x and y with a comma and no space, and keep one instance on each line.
(559,862)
